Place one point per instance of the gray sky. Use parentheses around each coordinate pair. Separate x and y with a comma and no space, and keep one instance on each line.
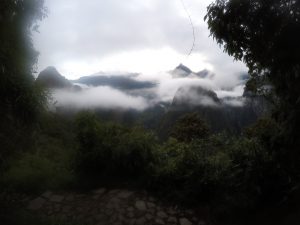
(84,37)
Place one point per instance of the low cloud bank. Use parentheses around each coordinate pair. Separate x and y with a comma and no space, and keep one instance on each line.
(164,90)
(99,97)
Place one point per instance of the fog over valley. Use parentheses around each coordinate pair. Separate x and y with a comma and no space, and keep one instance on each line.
(137,91)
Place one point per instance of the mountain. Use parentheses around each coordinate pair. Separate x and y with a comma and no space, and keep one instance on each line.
(183,71)
(118,82)
(51,78)
(191,96)
(205,74)
(229,114)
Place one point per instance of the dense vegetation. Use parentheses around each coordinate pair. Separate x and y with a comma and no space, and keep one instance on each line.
(42,150)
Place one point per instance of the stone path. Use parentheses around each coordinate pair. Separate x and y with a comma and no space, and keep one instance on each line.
(115,207)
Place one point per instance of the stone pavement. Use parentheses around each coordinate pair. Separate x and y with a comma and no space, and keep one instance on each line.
(110,207)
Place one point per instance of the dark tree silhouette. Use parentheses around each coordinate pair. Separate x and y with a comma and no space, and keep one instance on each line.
(265,35)
(19,99)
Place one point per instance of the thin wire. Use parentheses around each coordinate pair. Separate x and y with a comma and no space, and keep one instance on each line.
(192,26)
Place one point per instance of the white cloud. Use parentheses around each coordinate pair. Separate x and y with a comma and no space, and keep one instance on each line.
(83,37)
(99,97)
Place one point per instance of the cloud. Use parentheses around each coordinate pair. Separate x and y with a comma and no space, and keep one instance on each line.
(235,92)
(98,97)
(85,37)
(168,87)
(164,91)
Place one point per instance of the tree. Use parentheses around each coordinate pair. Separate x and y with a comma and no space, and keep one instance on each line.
(190,127)
(265,35)
(20,98)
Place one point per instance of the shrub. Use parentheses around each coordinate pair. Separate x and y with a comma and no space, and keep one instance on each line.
(190,127)
(112,150)
(33,173)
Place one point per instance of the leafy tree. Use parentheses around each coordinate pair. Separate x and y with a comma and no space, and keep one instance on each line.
(265,35)
(20,98)
(190,127)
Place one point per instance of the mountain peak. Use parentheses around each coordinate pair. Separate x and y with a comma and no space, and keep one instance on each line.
(184,68)
(51,78)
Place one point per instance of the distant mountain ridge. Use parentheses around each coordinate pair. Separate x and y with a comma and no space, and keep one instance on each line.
(183,71)
(118,82)
(231,114)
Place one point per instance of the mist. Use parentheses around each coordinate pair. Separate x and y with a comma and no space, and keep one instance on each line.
(165,89)
(98,97)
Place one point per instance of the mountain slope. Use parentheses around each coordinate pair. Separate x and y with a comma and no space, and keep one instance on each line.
(51,78)
(118,82)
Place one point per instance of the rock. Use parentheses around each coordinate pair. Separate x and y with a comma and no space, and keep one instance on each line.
(151,199)
(130,215)
(66,209)
(70,198)
(140,205)
(171,211)
(162,215)
(47,194)
(148,216)
(172,220)
(184,221)
(124,194)
(113,192)
(150,204)
(140,221)
(100,218)
(100,191)
(36,203)
(159,221)
(56,198)
(130,209)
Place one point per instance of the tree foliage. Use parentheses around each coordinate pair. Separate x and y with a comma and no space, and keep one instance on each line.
(265,35)
(21,100)
(190,127)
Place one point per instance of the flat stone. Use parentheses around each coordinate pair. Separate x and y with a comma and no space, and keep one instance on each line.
(125,194)
(184,221)
(66,209)
(57,207)
(151,199)
(148,216)
(100,218)
(140,205)
(172,220)
(113,192)
(47,194)
(171,211)
(162,214)
(130,209)
(56,198)
(36,203)
(140,221)
(115,200)
(130,215)
(159,221)
(70,198)
(100,191)
(150,205)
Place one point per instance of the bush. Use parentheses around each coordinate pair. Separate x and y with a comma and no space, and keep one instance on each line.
(190,127)
(48,163)
(195,169)
(33,173)
(108,149)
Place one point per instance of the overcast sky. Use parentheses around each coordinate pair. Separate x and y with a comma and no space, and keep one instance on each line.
(85,37)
